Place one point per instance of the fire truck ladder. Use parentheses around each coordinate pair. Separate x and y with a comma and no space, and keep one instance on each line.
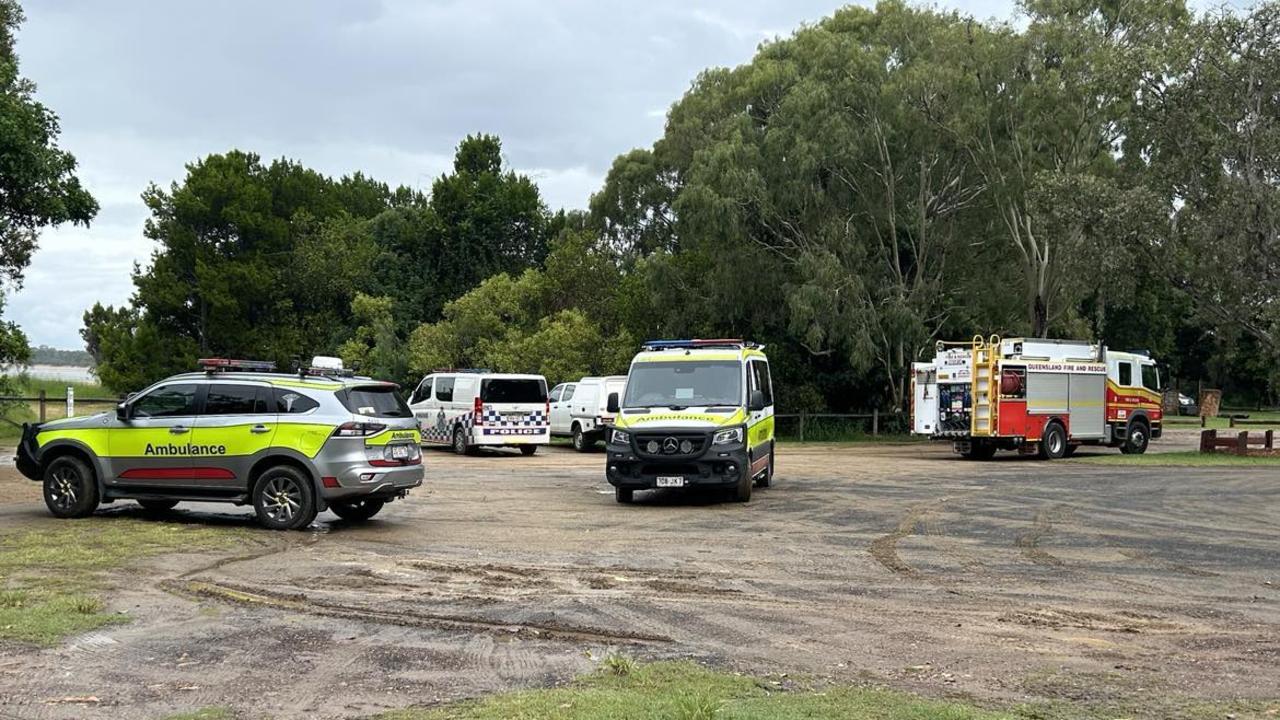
(986,360)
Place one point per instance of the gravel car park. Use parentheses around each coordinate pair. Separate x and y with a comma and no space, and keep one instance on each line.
(891,563)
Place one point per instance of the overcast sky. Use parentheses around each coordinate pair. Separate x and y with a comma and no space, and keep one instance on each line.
(387,87)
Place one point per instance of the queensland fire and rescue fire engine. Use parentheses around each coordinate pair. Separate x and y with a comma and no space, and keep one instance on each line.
(1035,395)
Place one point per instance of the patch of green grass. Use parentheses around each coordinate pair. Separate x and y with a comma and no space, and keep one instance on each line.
(50,578)
(687,691)
(1190,458)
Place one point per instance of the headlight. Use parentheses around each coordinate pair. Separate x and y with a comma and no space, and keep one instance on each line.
(724,437)
(620,438)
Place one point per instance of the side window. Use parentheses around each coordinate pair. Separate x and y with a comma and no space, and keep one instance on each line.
(759,377)
(1126,374)
(555,393)
(444,389)
(167,401)
(423,391)
(234,400)
(293,402)
(568,392)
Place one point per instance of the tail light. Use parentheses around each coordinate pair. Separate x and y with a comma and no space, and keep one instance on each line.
(478,408)
(358,429)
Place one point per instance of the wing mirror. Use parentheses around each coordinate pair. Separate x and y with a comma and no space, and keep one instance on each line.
(612,405)
(757,401)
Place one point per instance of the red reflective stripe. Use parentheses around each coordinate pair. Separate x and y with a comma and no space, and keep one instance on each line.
(396,463)
(194,473)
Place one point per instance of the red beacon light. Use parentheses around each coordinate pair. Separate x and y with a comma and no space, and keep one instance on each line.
(216,364)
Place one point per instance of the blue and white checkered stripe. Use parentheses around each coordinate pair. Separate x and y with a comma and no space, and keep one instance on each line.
(493,418)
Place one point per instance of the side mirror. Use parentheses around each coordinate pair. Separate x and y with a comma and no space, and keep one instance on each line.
(757,401)
(122,411)
(612,405)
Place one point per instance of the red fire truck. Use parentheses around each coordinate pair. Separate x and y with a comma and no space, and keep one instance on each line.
(1036,395)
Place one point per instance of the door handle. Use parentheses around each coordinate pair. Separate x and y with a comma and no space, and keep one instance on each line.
(178,429)
(259,429)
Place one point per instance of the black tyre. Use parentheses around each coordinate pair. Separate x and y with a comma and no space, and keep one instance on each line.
(460,442)
(581,441)
(623,495)
(980,450)
(70,488)
(158,505)
(1053,443)
(528,450)
(284,499)
(357,510)
(1139,436)
(742,492)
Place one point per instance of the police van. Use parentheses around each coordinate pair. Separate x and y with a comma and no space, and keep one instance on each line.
(695,413)
(471,409)
(291,445)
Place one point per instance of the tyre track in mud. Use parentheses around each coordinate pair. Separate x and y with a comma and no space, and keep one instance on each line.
(300,603)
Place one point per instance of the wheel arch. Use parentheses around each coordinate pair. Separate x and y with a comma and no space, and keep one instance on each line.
(296,461)
(80,451)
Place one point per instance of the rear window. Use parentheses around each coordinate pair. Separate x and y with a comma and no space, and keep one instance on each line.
(499,390)
(375,401)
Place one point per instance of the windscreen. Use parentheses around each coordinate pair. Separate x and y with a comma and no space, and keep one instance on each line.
(509,390)
(684,384)
(376,401)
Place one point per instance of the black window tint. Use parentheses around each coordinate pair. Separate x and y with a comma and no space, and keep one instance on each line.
(423,392)
(511,390)
(375,401)
(1126,374)
(444,389)
(1151,378)
(234,400)
(292,401)
(168,401)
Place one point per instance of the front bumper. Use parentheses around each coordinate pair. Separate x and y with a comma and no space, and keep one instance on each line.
(629,466)
(25,460)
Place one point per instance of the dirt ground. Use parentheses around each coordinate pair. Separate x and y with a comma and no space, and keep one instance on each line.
(1008,581)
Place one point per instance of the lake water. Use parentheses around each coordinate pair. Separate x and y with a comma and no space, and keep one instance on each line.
(67,373)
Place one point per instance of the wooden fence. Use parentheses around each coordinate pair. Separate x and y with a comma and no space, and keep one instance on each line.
(44,403)
(874,420)
(1237,443)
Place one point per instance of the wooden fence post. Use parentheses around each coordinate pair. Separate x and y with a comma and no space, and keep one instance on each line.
(42,406)
(875,422)
(1242,440)
(1208,440)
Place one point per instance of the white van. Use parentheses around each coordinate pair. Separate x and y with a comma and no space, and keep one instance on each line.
(580,410)
(469,409)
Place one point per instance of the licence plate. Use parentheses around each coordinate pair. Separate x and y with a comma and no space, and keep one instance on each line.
(399,452)
(670,481)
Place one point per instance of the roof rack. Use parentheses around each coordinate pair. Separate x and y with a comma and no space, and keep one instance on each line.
(696,343)
(212,365)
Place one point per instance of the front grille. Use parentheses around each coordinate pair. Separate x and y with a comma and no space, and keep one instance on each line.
(670,444)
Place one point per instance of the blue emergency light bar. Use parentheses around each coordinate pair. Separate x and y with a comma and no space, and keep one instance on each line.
(695,343)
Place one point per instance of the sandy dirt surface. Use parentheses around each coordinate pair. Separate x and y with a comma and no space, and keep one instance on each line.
(1005,581)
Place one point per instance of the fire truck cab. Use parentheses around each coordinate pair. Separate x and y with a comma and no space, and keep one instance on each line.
(1036,395)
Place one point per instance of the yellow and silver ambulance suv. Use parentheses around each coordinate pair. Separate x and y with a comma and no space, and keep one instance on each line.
(290,445)
(695,413)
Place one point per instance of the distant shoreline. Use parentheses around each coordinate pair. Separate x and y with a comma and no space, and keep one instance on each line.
(70,373)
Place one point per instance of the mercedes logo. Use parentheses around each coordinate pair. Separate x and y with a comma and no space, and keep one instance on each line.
(670,445)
